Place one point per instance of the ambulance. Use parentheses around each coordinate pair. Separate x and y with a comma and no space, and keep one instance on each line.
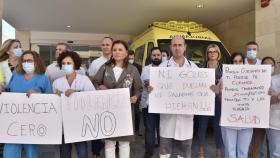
(159,34)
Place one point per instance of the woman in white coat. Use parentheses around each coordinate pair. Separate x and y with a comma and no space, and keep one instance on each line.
(70,62)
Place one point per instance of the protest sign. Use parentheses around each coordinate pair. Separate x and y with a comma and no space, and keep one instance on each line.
(34,120)
(182,91)
(245,99)
(97,115)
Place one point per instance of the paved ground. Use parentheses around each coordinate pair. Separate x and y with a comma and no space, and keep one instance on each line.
(137,148)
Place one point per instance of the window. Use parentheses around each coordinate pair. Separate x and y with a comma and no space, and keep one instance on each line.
(139,54)
(196,50)
(8,31)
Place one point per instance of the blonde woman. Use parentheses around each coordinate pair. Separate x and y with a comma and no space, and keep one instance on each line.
(2,79)
(10,52)
(212,55)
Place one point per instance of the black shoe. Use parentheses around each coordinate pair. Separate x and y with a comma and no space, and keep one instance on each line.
(156,145)
(148,155)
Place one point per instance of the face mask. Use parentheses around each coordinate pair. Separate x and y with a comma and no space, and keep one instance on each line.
(156,62)
(164,59)
(68,69)
(17,52)
(251,54)
(131,61)
(28,67)
(272,70)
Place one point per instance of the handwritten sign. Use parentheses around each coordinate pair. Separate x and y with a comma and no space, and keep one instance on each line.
(97,115)
(34,120)
(182,91)
(245,99)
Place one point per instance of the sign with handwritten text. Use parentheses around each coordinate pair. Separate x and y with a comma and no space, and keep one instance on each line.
(182,91)
(245,99)
(34,120)
(97,115)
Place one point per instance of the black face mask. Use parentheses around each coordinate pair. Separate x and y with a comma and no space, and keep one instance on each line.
(156,62)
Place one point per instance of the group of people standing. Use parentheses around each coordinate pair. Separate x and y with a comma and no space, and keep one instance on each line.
(23,72)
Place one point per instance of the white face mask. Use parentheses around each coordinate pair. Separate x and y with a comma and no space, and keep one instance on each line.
(131,61)
(252,54)
(17,53)
(68,69)
(28,67)
(163,59)
(272,70)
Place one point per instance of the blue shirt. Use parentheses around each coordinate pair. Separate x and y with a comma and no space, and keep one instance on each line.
(39,83)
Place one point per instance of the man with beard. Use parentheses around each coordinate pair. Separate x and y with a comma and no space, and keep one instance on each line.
(151,119)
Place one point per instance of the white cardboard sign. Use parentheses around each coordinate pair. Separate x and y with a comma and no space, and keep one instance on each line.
(245,99)
(182,91)
(97,115)
(34,120)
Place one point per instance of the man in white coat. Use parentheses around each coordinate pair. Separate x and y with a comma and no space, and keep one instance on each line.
(53,72)
(176,129)
(106,46)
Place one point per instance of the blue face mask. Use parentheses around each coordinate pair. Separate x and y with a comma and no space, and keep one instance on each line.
(17,52)
(28,67)
(68,69)
(251,54)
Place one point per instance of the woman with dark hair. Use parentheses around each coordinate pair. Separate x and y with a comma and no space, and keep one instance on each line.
(213,56)
(236,140)
(117,73)
(70,63)
(237,58)
(270,61)
(29,79)
(10,52)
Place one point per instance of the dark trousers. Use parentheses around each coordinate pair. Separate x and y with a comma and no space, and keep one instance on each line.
(257,142)
(96,147)
(215,120)
(66,150)
(151,127)
(137,117)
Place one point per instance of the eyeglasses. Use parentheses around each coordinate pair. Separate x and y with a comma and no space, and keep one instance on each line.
(212,52)
(28,61)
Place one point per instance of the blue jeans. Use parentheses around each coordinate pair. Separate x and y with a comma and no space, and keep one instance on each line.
(274,142)
(66,149)
(151,126)
(236,142)
(215,120)
(14,150)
